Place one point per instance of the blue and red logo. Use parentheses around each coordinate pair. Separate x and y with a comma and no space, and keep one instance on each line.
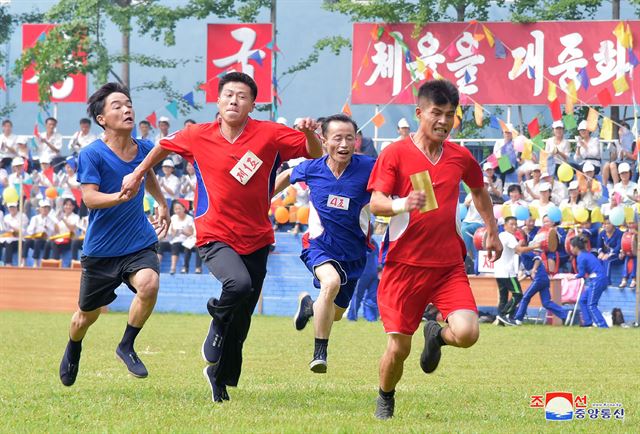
(558,406)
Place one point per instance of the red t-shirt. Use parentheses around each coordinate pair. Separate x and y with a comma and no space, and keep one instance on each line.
(225,209)
(432,238)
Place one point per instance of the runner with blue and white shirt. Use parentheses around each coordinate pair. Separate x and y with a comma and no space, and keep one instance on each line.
(336,244)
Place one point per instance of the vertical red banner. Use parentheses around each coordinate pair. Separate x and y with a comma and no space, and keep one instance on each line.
(72,89)
(240,47)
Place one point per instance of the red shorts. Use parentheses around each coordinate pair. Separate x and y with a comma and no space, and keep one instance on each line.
(405,291)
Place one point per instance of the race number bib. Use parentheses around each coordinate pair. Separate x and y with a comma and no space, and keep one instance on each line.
(338,202)
(246,167)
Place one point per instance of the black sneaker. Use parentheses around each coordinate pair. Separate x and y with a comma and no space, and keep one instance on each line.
(212,345)
(133,363)
(68,370)
(431,353)
(505,320)
(304,312)
(318,365)
(218,392)
(384,408)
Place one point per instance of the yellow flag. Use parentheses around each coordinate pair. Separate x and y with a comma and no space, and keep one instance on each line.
(592,120)
(489,35)
(478,114)
(628,38)
(459,111)
(527,151)
(620,32)
(620,85)
(544,157)
(572,97)
(421,181)
(629,214)
(606,132)
(420,65)
(517,63)
(552,95)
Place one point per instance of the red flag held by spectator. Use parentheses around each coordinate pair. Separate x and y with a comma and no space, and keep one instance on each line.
(533,127)
(49,173)
(77,193)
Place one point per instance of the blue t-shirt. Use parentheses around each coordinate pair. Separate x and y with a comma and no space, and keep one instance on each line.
(590,267)
(121,229)
(339,217)
(611,244)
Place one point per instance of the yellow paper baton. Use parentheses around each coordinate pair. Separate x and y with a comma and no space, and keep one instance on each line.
(422,182)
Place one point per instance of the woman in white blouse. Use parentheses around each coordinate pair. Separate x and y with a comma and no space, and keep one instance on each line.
(182,231)
(67,222)
(587,147)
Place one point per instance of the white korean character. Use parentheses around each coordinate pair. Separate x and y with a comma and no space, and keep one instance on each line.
(466,63)
(247,38)
(533,57)
(571,59)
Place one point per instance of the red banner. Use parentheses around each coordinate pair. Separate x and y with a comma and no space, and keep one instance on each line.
(239,47)
(497,63)
(72,89)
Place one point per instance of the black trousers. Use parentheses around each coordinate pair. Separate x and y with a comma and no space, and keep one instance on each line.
(37,244)
(241,277)
(508,285)
(9,249)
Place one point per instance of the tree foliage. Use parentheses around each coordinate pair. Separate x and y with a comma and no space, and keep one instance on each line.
(552,10)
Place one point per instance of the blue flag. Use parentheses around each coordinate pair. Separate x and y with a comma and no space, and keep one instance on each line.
(633,60)
(584,78)
(189,99)
(493,123)
(532,72)
(501,52)
(256,56)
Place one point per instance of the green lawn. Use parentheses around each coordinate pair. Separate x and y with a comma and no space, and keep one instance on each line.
(482,389)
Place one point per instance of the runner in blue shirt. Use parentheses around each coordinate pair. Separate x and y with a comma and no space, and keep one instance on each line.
(120,244)
(335,246)
(592,270)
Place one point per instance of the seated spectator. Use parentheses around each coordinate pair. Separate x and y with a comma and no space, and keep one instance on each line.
(494,184)
(67,223)
(188,183)
(470,224)
(609,246)
(365,146)
(144,131)
(41,226)
(169,183)
(575,198)
(77,242)
(67,179)
(82,137)
(50,143)
(404,129)
(544,203)
(182,227)
(525,167)
(626,189)
(515,197)
(505,146)
(558,189)
(8,145)
(532,186)
(590,189)
(629,268)
(587,147)
(11,223)
(557,147)
(623,152)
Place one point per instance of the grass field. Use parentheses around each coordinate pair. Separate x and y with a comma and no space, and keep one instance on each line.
(482,389)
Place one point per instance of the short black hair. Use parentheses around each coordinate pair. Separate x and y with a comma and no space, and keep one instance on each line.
(339,117)
(96,101)
(68,199)
(55,121)
(145,122)
(189,121)
(239,77)
(7,121)
(578,242)
(85,121)
(439,92)
(514,187)
(506,219)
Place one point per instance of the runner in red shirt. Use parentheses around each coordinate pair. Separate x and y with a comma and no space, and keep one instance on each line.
(424,250)
(235,159)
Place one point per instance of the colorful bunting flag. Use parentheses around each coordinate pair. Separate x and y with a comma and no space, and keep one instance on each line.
(592,120)
(378,120)
(503,126)
(552,93)
(36,133)
(478,114)
(420,65)
(628,37)
(571,97)
(188,97)
(527,152)
(42,37)
(489,35)
(620,85)
(493,160)
(40,120)
(467,77)
(459,111)
(544,160)
(346,109)
(493,123)
(633,60)
(478,37)
(556,112)
(604,96)
(584,78)
(619,31)
(504,163)
(452,50)
(172,108)
(533,127)
(414,91)
(152,119)
(77,194)
(532,73)
(501,52)
(3,85)
(48,172)
(538,143)
(256,56)
(606,132)
(569,122)
(517,64)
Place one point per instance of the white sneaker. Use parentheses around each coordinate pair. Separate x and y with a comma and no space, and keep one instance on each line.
(518,322)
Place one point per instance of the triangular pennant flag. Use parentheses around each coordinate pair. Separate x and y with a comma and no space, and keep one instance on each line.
(633,60)
(584,79)
(77,194)
(489,35)
(538,143)
(532,72)
(42,37)
(452,50)
(256,56)
(270,45)
(556,112)
(552,93)
(380,32)
(208,86)
(571,97)
(48,172)
(606,132)
(628,37)
(456,121)
(172,108)
(467,77)
(619,32)
(420,66)
(517,64)
(493,123)
(604,96)
(478,37)
(544,159)
(407,57)
(500,51)
(504,163)
(188,97)
(527,152)
(569,122)
(620,85)
(36,133)
(414,91)
(378,120)
(152,119)
(27,189)
(478,114)
(464,98)
(428,74)
(355,85)
(503,126)
(592,120)
(459,111)
(3,85)
(346,109)
(40,120)
(533,127)
(493,160)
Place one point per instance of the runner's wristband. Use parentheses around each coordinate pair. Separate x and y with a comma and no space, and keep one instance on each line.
(399,206)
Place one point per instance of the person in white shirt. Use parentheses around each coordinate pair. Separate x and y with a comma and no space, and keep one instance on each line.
(587,147)
(531,186)
(182,231)
(626,189)
(8,145)
(404,129)
(505,270)
(558,189)
(557,147)
(188,183)
(169,183)
(515,197)
(575,198)
(40,178)
(67,222)
(591,190)
(543,204)
(11,226)
(19,176)
(41,226)
(50,142)
(82,137)
(67,179)
(144,128)
(494,183)
(163,126)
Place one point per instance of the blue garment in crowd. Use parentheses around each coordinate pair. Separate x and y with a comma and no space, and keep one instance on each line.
(540,284)
(592,270)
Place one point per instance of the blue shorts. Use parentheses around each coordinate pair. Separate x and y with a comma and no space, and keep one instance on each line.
(349,271)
